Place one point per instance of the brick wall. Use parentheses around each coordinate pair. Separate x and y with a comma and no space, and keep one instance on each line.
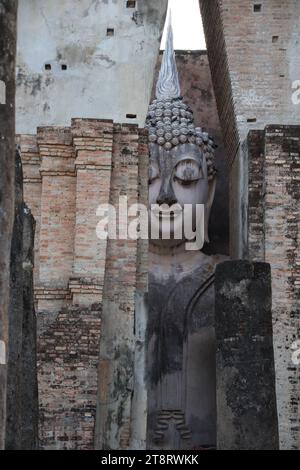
(57,206)
(92,141)
(254,58)
(68,354)
(125,278)
(273,220)
(254,55)
(256,194)
(69,172)
(67,175)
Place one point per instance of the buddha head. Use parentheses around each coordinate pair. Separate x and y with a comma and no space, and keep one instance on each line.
(181,167)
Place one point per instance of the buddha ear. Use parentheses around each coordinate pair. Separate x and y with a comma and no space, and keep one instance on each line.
(210,199)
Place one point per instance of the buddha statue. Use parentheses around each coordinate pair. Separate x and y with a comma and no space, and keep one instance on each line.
(180,332)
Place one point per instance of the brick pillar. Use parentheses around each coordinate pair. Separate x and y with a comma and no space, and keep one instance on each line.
(282,248)
(32,180)
(92,140)
(117,345)
(273,221)
(57,216)
(256,194)
(246,399)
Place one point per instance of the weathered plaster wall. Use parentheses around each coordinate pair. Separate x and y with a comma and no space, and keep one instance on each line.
(107,76)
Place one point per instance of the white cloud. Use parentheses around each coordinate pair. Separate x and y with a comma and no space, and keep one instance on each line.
(187,25)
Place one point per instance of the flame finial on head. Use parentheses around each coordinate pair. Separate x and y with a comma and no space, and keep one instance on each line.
(168,86)
(170,121)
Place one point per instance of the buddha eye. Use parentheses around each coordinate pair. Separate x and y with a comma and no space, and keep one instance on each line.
(187,172)
(153,173)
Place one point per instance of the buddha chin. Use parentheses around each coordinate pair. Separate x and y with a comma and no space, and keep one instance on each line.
(167,229)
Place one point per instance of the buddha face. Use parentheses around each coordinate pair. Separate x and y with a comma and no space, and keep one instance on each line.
(176,177)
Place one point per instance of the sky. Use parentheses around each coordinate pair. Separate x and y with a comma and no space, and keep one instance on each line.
(187,25)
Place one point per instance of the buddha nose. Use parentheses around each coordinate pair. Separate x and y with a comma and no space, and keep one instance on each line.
(166,195)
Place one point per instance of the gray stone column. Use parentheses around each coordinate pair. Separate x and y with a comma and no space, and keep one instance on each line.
(14,368)
(29,383)
(22,394)
(8,18)
(246,400)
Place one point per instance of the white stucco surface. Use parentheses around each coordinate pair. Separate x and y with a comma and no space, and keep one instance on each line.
(106,77)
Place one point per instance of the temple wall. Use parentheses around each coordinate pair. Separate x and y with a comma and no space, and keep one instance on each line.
(69,172)
(75,57)
(68,355)
(49,175)
(79,160)
(57,206)
(253,51)
(273,227)
(93,147)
